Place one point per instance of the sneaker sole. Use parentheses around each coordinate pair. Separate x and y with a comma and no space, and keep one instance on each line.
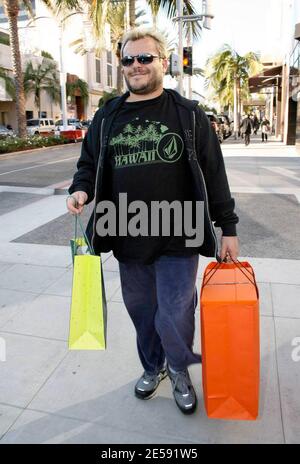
(189,411)
(141,396)
(147,397)
(183,410)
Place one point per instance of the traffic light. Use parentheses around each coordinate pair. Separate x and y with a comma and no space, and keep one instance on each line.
(188,60)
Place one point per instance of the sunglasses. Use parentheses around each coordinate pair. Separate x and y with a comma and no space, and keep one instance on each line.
(143,58)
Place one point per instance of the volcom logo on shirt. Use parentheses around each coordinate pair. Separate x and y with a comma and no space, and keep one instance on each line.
(146,144)
(170,147)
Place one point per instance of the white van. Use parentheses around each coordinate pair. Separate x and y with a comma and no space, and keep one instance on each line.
(72,124)
(40,125)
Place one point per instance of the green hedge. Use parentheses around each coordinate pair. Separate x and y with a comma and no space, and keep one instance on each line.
(4,39)
(11,144)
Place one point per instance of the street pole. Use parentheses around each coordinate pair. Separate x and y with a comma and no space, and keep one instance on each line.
(271,109)
(187,18)
(277,108)
(62,79)
(88,75)
(235,106)
(180,46)
(189,44)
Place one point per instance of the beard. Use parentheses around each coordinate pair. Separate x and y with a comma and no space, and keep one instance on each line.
(144,89)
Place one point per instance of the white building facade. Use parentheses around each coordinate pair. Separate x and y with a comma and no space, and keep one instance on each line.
(43,34)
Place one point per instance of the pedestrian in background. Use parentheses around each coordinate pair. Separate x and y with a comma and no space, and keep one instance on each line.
(265,129)
(247,128)
(256,124)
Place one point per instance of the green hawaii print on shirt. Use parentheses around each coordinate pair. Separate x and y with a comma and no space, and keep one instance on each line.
(146,143)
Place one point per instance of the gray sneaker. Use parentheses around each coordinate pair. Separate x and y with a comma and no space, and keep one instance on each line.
(183,391)
(146,386)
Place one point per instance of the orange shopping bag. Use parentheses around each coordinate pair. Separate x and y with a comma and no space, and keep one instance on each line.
(229,306)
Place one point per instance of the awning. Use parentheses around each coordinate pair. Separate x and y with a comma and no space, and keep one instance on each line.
(270,77)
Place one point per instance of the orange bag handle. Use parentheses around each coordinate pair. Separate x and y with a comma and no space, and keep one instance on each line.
(215,268)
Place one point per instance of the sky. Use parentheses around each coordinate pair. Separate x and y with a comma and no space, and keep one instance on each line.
(246,25)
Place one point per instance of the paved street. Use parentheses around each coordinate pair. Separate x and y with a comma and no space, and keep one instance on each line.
(51,395)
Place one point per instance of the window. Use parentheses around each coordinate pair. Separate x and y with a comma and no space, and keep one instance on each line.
(51,122)
(46,122)
(33,122)
(98,70)
(109,68)
(42,114)
(29,114)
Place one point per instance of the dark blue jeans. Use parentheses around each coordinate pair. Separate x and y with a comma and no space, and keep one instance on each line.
(161,299)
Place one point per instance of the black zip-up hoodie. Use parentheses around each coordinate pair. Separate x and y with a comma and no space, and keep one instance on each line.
(204,156)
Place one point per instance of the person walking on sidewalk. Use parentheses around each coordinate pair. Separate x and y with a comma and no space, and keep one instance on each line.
(246,128)
(265,129)
(256,124)
(153,144)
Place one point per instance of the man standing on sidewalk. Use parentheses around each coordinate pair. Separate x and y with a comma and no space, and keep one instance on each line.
(155,145)
(247,127)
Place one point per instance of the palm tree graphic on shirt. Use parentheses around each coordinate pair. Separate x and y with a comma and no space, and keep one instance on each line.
(138,141)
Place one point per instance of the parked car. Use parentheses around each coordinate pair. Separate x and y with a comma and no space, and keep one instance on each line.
(215,123)
(5,132)
(72,123)
(86,124)
(225,125)
(39,126)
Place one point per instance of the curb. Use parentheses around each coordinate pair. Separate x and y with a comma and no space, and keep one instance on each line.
(34,150)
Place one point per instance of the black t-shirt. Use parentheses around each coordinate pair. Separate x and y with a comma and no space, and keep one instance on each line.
(147,161)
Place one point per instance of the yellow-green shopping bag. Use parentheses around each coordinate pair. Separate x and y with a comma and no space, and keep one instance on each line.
(88,318)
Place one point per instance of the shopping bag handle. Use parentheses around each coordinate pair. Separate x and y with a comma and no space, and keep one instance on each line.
(78,219)
(214,269)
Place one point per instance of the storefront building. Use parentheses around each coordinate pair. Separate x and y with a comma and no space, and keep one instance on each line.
(293,135)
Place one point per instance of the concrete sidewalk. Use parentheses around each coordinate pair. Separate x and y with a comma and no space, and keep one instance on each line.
(51,395)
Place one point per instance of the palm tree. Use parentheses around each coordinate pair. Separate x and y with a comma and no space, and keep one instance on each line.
(11,9)
(132,12)
(106,96)
(120,140)
(42,78)
(9,83)
(152,134)
(171,7)
(227,75)
(116,20)
(78,85)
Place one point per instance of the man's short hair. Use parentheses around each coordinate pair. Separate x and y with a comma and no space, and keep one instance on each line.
(141,33)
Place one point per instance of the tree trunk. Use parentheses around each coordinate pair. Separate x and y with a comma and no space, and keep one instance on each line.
(132,13)
(154,19)
(11,8)
(235,110)
(119,80)
(239,100)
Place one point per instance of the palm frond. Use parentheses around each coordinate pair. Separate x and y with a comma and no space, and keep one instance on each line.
(9,83)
